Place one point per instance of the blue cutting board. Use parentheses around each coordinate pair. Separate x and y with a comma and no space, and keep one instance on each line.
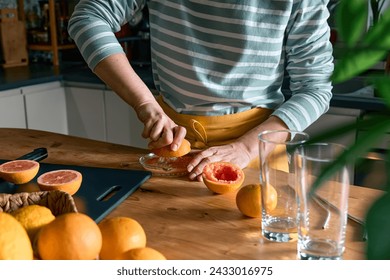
(101,191)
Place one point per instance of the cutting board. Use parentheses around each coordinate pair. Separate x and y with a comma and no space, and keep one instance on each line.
(101,191)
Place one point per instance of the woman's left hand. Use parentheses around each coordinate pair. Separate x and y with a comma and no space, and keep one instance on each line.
(241,152)
(236,153)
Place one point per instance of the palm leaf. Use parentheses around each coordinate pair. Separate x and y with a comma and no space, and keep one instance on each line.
(359,56)
(382,85)
(378,228)
(351,31)
(355,62)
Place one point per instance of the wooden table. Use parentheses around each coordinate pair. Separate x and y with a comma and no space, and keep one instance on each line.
(181,218)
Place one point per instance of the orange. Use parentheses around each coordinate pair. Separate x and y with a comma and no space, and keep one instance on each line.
(14,241)
(19,171)
(222,177)
(145,253)
(66,180)
(120,234)
(71,236)
(33,218)
(248,200)
(166,151)
(271,198)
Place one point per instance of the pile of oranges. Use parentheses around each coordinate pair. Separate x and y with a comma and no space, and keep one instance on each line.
(32,232)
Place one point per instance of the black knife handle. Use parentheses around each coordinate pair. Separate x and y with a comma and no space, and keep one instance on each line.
(37,155)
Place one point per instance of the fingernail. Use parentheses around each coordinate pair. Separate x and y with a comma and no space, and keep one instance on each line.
(175,147)
(189,168)
(192,176)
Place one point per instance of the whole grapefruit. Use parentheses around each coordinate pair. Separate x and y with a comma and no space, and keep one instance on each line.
(120,234)
(248,200)
(71,236)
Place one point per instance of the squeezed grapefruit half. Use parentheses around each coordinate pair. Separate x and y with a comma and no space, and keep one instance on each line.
(19,171)
(222,177)
(66,180)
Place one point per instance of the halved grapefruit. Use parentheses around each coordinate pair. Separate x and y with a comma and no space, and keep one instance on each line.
(223,177)
(19,171)
(166,151)
(67,180)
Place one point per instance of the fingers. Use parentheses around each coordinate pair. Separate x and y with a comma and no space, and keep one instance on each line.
(173,137)
(229,153)
(179,132)
(164,139)
(159,128)
(200,160)
(154,127)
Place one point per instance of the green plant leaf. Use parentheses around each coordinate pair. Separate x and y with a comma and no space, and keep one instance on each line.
(382,85)
(377,36)
(351,30)
(387,164)
(355,62)
(356,151)
(378,228)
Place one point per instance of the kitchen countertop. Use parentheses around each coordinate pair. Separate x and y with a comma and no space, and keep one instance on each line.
(182,218)
(15,77)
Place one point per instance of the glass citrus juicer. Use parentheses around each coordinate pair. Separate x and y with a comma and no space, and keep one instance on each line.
(165,162)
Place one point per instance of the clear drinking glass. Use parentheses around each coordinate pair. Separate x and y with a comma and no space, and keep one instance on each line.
(322,213)
(277,180)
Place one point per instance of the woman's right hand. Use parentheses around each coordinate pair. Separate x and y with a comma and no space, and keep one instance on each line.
(158,127)
(116,72)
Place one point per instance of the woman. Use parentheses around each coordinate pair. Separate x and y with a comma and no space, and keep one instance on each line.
(218,66)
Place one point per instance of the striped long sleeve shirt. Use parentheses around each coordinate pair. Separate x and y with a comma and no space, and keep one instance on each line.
(221,57)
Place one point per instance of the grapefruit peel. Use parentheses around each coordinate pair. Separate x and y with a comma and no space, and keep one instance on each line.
(19,171)
(222,177)
(66,180)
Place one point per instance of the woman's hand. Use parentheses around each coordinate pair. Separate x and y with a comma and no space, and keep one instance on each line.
(235,152)
(158,127)
(241,152)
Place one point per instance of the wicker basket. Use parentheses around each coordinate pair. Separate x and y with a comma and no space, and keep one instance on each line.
(58,202)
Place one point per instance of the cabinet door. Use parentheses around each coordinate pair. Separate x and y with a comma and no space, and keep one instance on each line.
(123,126)
(85,108)
(12,112)
(46,107)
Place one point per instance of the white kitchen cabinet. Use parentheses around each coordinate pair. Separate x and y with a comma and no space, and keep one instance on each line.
(123,126)
(12,112)
(86,113)
(46,107)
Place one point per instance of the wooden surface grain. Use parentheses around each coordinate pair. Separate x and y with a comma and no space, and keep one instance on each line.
(181,218)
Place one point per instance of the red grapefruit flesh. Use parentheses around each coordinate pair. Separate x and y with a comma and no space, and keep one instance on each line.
(223,177)
(67,180)
(19,171)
